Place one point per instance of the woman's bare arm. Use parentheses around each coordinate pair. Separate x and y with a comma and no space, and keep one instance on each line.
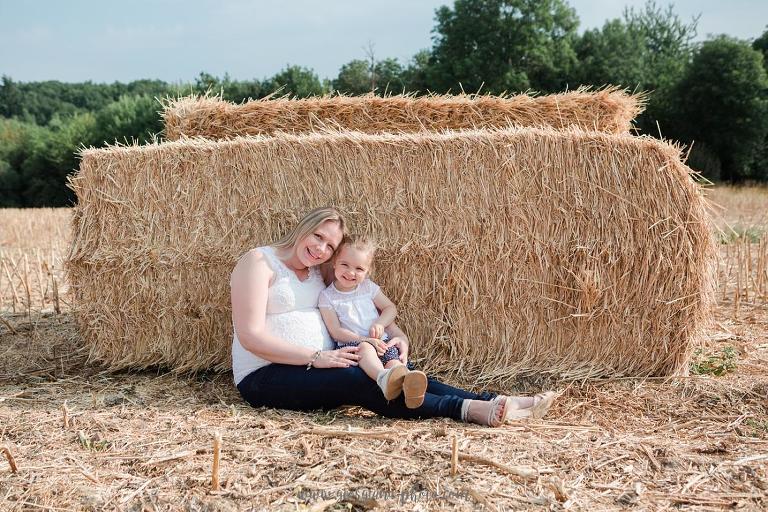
(250,289)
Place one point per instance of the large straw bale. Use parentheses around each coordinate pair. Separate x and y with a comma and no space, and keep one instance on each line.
(609,110)
(508,252)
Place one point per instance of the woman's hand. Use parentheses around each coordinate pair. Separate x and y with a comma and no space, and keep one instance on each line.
(402,345)
(377,344)
(340,358)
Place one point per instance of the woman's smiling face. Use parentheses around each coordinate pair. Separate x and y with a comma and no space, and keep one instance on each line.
(320,244)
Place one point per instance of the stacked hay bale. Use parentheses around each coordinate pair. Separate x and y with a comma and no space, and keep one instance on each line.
(608,110)
(516,251)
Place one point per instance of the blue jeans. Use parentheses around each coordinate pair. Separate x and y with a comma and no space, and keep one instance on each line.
(285,386)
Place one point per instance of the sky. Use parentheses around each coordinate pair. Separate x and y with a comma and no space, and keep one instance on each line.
(174,40)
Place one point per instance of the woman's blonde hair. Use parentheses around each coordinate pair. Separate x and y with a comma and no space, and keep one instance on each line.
(309,223)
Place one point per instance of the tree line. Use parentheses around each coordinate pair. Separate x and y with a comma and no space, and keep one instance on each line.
(710,95)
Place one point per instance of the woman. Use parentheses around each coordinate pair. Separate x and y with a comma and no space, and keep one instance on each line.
(283,357)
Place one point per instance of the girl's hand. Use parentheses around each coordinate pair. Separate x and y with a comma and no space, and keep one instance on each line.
(402,345)
(379,345)
(339,358)
(376,331)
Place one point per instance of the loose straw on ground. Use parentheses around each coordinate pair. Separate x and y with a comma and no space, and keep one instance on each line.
(8,325)
(65,414)
(9,457)
(454,456)
(521,471)
(216,457)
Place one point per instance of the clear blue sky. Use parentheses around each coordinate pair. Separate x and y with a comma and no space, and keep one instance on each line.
(173,40)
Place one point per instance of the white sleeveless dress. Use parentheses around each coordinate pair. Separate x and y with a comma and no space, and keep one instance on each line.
(292,315)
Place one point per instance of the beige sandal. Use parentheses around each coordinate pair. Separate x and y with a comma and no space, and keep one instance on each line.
(498,408)
(540,408)
(414,388)
(541,404)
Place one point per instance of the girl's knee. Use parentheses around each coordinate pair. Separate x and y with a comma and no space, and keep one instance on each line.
(366,348)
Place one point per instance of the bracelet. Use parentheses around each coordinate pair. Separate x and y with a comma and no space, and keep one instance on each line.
(314,358)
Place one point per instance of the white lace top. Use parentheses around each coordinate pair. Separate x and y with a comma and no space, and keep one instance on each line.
(292,315)
(355,309)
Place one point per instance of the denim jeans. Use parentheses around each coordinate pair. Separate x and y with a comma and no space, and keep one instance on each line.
(285,386)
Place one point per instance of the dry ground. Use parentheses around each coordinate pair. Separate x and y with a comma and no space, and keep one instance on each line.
(86,439)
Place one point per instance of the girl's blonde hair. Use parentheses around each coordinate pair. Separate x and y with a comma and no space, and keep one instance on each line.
(359,242)
(309,223)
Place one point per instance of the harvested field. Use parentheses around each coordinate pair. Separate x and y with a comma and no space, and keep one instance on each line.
(481,201)
(606,110)
(33,246)
(143,440)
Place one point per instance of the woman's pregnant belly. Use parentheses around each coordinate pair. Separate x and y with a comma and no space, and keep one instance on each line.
(302,327)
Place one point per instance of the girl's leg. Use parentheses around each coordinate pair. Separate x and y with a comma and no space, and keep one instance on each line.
(369,360)
(293,387)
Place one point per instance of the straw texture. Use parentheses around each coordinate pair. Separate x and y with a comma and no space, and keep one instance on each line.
(509,252)
(609,110)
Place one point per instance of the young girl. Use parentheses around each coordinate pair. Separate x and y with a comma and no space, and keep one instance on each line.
(357,313)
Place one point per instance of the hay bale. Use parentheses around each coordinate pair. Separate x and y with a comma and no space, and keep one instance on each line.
(512,252)
(610,110)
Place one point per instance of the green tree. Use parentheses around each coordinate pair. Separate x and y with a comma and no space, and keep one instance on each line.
(761,44)
(503,45)
(239,91)
(10,98)
(354,78)
(363,77)
(613,55)
(15,146)
(129,118)
(646,50)
(416,75)
(10,184)
(759,165)
(722,99)
(295,80)
(53,155)
(206,83)
(388,76)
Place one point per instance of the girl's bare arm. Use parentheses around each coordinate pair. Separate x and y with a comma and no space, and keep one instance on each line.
(337,332)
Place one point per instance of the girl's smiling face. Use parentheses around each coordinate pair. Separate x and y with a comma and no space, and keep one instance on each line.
(319,245)
(351,267)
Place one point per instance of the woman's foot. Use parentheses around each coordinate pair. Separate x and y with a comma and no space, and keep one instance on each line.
(391,381)
(491,413)
(414,388)
(543,401)
(536,406)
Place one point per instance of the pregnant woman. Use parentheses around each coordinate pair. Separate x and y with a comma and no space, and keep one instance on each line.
(283,356)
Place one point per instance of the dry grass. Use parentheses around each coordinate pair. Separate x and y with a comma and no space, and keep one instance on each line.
(33,245)
(451,210)
(741,220)
(609,110)
(143,441)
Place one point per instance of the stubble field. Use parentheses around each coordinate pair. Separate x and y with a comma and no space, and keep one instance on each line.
(82,438)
